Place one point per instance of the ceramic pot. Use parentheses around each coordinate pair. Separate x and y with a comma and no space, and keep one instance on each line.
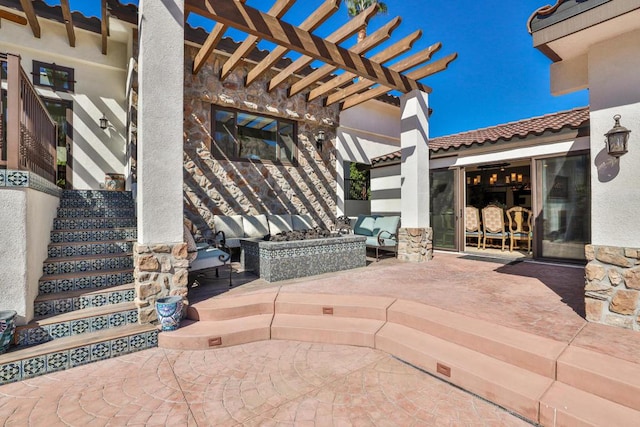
(169,311)
(7,328)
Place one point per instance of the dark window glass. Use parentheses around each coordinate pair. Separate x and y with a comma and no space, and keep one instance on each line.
(54,76)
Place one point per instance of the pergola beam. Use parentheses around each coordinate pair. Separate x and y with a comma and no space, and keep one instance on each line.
(313,21)
(427,70)
(277,10)
(371,41)
(27,7)
(209,44)
(68,22)
(254,22)
(104,25)
(338,36)
(388,54)
(402,66)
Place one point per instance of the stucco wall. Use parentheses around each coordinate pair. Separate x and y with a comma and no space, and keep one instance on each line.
(385,190)
(99,88)
(217,186)
(26,219)
(366,131)
(614,88)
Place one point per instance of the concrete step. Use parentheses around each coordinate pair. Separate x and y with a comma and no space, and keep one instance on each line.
(96,212)
(105,247)
(215,309)
(201,335)
(356,306)
(78,322)
(325,329)
(75,350)
(93,223)
(94,235)
(563,405)
(64,302)
(602,375)
(507,385)
(53,283)
(87,263)
(528,351)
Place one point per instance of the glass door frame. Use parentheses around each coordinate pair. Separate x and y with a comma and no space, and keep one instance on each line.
(458,207)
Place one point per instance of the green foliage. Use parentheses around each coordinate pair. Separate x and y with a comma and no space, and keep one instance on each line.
(354,7)
(359,187)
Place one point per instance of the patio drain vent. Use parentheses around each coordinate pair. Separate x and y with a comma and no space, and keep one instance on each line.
(327,310)
(443,370)
(213,342)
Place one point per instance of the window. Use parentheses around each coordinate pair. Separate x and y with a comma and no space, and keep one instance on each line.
(240,135)
(54,76)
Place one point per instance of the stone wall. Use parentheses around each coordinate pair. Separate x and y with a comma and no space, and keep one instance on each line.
(612,286)
(415,244)
(216,186)
(159,270)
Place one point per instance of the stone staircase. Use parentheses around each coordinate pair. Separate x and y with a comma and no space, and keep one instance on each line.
(85,308)
(547,382)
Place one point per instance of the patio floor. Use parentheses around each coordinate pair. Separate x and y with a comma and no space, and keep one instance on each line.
(293,383)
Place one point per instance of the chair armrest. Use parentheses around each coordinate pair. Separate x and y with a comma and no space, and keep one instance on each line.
(221,241)
(391,236)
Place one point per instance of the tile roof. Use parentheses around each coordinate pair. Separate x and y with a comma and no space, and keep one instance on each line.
(571,119)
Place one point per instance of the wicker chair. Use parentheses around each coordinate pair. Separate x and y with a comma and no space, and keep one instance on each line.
(472,223)
(493,225)
(520,226)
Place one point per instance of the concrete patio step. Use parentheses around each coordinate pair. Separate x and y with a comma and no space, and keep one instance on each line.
(313,304)
(563,405)
(68,249)
(64,302)
(75,350)
(201,335)
(602,375)
(216,309)
(528,351)
(509,386)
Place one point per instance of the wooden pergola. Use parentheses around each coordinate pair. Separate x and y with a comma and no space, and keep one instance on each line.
(363,78)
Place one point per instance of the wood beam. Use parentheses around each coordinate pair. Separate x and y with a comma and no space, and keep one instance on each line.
(10,16)
(427,70)
(68,22)
(104,25)
(209,44)
(254,22)
(337,37)
(402,66)
(313,21)
(388,54)
(27,7)
(277,10)
(371,41)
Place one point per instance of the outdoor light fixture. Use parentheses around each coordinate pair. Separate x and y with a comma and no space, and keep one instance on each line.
(104,122)
(617,138)
(320,137)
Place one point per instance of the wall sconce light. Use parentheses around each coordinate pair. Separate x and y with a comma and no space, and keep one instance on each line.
(617,138)
(320,137)
(104,122)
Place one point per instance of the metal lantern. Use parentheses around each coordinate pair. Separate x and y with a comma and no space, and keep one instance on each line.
(617,138)
(104,122)
(320,137)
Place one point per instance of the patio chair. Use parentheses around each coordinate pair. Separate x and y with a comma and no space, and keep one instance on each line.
(520,226)
(493,225)
(204,256)
(472,223)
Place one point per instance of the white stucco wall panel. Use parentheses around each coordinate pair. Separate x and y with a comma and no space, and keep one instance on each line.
(569,75)
(385,180)
(99,88)
(614,87)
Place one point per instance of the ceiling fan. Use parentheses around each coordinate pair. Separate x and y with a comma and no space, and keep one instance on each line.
(10,16)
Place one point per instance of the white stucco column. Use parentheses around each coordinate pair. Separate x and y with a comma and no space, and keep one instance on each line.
(160,256)
(160,120)
(415,234)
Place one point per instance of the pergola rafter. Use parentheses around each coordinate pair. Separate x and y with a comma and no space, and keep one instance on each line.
(27,7)
(68,22)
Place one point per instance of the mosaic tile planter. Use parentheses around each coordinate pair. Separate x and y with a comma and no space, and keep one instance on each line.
(169,311)
(7,328)
(275,261)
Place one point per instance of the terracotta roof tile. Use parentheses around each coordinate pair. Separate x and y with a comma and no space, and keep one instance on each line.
(571,119)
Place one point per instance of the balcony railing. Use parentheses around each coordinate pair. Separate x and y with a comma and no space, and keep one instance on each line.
(28,134)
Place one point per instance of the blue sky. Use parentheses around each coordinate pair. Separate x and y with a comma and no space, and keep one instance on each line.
(498,77)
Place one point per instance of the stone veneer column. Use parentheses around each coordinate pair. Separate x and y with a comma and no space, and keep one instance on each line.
(415,235)
(160,265)
(613,286)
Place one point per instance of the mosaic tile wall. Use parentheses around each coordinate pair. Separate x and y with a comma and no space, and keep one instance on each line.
(16,178)
(275,261)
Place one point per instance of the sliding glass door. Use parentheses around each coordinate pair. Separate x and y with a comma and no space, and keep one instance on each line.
(443,208)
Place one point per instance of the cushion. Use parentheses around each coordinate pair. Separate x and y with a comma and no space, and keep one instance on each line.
(386,223)
(279,223)
(302,222)
(255,225)
(192,248)
(231,225)
(364,225)
(209,258)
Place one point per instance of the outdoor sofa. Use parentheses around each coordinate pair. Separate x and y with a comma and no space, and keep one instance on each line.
(381,231)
